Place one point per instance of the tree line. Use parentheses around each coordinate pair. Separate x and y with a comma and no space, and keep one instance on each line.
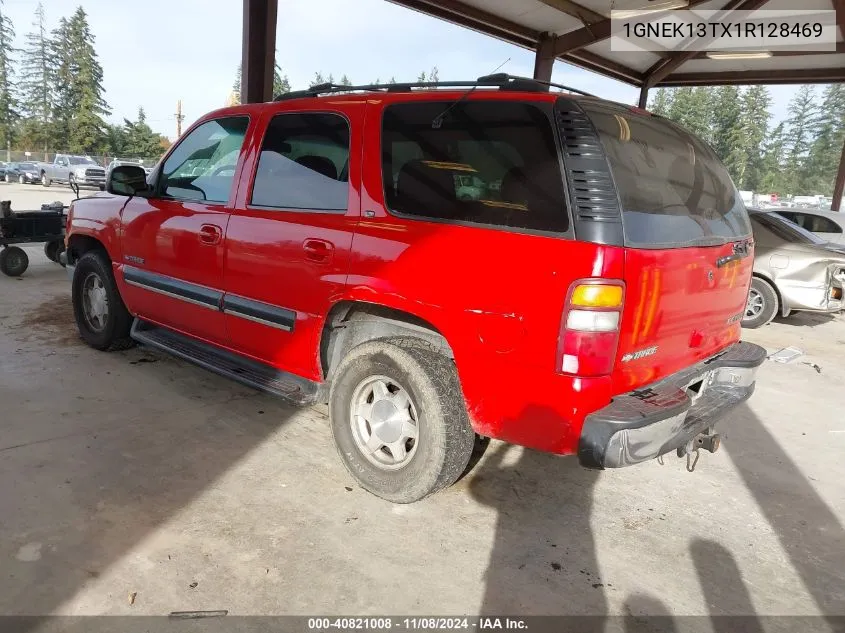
(798,156)
(52,96)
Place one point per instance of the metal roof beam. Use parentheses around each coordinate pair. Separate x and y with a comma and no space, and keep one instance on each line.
(743,77)
(670,64)
(587,16)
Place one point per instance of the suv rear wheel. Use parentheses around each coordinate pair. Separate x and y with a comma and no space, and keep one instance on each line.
(102,318)
(399,420)
(762,304)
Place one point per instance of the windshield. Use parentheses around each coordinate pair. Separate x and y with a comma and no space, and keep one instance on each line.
(786,230)
(82,160)
(26,166)
(673,189)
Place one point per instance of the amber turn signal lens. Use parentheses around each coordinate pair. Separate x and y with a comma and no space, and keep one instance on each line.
(597,296)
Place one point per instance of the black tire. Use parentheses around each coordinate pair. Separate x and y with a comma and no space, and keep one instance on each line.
(45,180)
(445,438)
(114,334)
(762,305)
(52,250)
(13,261)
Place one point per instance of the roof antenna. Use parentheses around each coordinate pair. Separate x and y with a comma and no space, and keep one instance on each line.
(499,66)
(438,120)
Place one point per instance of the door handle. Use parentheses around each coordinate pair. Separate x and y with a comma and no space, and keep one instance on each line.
(318,250)
(210,234)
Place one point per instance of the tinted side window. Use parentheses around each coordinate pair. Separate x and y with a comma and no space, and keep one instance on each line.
(304,163)
(487,162)
(202,167)
(819,224)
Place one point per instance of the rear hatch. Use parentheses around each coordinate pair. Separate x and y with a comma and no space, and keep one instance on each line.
(687,238)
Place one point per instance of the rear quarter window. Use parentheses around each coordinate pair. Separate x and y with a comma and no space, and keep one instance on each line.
(673,189)
(494,163)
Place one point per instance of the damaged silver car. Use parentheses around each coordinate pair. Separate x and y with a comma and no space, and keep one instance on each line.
(793,270)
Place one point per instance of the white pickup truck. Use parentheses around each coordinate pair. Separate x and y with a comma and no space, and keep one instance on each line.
(68,169)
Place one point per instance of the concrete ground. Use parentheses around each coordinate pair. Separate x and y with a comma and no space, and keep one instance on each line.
(134,473)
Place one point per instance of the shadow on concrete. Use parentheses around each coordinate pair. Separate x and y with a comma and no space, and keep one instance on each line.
(806,319)
(543,560)
(74,504)
(808,530)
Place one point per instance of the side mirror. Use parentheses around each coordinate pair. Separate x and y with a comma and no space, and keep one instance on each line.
(127,180)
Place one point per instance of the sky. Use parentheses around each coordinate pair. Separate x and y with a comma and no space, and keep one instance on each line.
(156,52)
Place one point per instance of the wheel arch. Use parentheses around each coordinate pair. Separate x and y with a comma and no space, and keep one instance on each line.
(350,323)
(80,243)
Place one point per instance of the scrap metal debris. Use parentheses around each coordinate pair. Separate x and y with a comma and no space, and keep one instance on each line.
(193,615)
(814,366)
(786,355)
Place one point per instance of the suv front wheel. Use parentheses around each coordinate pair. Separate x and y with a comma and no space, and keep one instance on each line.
(399,420)
(102,318)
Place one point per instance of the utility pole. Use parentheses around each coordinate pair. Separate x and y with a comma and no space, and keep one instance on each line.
(179,118)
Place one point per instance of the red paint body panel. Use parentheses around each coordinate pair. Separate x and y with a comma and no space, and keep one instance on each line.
(267,258)
(497,296)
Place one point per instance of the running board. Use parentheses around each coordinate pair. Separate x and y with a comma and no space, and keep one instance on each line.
(252,373)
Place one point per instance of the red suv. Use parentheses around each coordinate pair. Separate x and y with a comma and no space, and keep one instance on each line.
(586,298)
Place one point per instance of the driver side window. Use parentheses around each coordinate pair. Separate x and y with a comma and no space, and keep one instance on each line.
(202,167)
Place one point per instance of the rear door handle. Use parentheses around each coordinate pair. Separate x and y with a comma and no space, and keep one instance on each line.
(318,250)
(210,234)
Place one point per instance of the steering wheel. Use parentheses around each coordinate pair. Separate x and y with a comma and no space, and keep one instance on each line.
(220,170)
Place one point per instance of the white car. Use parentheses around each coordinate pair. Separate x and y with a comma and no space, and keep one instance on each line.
(829,225)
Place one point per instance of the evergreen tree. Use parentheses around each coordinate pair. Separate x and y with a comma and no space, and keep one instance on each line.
(802,122)
(87,105)
(8,105)
(421,78)
(754,120)
(773,162)
(728,138)
(36,84)
(434,75)
(318,79)
(281,84)
(661,102)
(344,81)
(825,151)
(140,140)
(62,79)
(692,108)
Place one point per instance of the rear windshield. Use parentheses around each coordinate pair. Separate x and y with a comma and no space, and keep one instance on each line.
(673,189)
(484,162)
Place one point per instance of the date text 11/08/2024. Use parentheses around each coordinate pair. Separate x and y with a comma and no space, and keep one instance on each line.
(416,623)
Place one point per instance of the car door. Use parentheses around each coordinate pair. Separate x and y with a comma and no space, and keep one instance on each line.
(288,240)
(173,241)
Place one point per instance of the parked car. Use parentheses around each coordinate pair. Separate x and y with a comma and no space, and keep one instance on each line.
(793,270)
(70,169)
(828,225)
(316,248)
(23,173)
(3,170)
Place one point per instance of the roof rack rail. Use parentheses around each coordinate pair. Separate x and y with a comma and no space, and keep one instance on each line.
(501,80)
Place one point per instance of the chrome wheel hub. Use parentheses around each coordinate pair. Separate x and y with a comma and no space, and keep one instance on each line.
(755,304)
(384,422)
(95,303)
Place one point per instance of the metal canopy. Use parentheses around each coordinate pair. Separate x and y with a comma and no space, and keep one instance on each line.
(578,33)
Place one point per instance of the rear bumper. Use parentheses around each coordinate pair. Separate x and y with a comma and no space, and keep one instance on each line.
(666,415)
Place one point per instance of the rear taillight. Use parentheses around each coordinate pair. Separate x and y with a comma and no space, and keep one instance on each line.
(589,329)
